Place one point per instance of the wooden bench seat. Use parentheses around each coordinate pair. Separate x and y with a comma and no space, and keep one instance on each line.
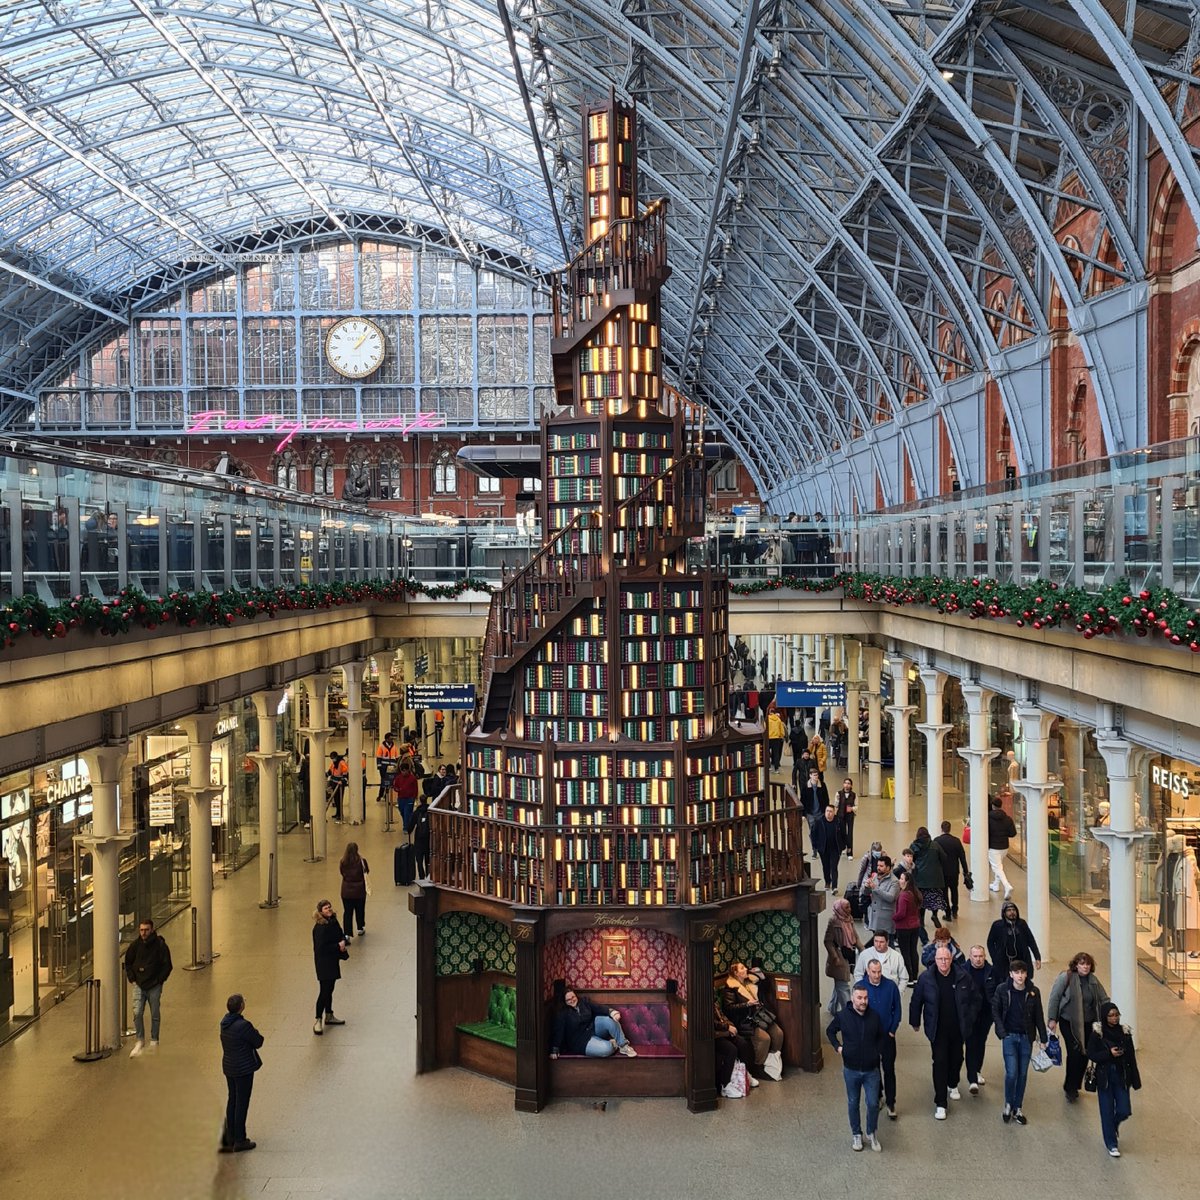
(490,1046)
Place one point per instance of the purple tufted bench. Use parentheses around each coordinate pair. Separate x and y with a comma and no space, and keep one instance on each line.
(650,1020)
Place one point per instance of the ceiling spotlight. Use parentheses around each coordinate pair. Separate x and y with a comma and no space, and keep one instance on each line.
(947,75)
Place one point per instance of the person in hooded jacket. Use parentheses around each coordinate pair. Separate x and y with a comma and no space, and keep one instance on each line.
(1110,1047)
(1011,938)
(240,1043)
(929,874)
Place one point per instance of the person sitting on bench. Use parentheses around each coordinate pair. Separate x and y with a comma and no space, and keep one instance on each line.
(582,1028)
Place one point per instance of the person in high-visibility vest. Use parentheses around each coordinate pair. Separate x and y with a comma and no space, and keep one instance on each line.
(387,756)
(439,725)
(338,776)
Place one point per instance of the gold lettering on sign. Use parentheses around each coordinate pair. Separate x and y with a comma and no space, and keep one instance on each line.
(707,933)
(522,933)
(610,919)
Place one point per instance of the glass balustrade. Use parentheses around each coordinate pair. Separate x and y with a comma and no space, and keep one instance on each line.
(73,522)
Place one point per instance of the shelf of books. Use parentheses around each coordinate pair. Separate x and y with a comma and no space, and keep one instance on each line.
(505,783)
(506,862)
(611,179)
(725,782)
(565,697)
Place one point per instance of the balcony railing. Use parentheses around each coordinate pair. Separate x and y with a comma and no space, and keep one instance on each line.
(698,863)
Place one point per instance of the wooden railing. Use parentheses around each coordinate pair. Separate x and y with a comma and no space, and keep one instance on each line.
(708,862)
(668,509)
(631,257)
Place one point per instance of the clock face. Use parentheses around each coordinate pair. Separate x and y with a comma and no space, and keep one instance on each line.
(354,347)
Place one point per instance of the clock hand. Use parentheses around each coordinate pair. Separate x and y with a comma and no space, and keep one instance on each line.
(359,342)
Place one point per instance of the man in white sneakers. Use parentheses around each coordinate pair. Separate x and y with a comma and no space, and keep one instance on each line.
(1000,830)
(147,966)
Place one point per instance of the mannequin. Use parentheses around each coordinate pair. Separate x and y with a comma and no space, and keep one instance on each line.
(1178,906)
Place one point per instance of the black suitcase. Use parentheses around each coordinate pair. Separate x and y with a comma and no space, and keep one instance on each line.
(405,873)
(854,897)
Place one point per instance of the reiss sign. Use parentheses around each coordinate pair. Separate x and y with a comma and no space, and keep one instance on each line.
(218,421)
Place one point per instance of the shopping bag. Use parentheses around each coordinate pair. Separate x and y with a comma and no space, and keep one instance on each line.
(1041,1061)
(1054,1050)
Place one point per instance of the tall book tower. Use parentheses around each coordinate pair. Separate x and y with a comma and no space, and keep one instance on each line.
(604,756)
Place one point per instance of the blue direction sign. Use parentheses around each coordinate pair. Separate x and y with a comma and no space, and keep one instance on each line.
(421,666)
(423,696)
(809,693)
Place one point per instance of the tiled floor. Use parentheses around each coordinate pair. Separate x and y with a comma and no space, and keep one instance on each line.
(344,1116)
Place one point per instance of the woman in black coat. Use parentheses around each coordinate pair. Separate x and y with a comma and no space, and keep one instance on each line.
(329,949)
(240,1043)
(1110,1047)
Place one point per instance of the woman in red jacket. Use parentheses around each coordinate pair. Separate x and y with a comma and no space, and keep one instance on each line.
(908,921)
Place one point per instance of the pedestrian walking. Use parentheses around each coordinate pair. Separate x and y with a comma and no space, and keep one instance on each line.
(354,871)
(929,872)
(1000,831)
(147,967)
(884,997)
(841,952)
(1074,1007)
(860,1048)
(907,917)
(1018,1018)
(891,958)
(845,800)
(945,1001)
(954,865)
(1110,1047)
(827,845)
(980,971)
(1009,939)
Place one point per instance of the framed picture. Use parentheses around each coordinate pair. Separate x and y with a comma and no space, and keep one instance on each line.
(614,954)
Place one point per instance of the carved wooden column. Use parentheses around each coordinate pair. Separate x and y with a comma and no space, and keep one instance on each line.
(700,1068)
(533,1069)
(809,903)
(425,907)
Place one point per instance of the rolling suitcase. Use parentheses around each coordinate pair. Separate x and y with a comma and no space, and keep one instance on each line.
(405,874)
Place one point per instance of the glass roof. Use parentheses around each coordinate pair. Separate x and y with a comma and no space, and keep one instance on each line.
(867,197)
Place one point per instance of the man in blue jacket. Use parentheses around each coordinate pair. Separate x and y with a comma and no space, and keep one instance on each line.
(946,1001)
(884,998)
(860,1048)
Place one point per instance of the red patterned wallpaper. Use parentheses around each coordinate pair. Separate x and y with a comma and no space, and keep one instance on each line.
(655,957)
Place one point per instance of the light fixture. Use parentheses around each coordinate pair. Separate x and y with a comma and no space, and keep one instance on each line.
(947,75)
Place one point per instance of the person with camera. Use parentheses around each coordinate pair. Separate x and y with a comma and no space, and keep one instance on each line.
(741,1004)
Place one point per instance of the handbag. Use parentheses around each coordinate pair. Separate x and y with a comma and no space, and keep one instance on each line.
(1054,1050)
(366,877)
(1089,1078)
(969,881)
(764,1018)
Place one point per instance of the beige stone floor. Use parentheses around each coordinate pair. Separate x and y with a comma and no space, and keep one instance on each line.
(344,1116)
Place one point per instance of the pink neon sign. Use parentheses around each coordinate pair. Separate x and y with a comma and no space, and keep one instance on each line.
(219,421)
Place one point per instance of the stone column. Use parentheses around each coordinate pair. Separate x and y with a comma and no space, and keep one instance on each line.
(105,765)
(268,757)
(901,713)
(352,673)
(1121,839)
(935,730)
(199,729)
(1035,788)
(873,669)
(318,732)
(408,667)
(383,701)
(978,754)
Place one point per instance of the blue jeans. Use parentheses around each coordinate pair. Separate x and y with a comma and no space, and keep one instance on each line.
(236,1108)
(1018,1050)
(856,1083)
(1114,1105)
(600,1043)
(140,998)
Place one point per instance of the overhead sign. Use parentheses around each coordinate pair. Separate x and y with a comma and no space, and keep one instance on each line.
(809,693)
(423,696)
(421,667)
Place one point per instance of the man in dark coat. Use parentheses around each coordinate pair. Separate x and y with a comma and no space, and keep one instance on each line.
(1011,938)
(240,1043)
(828,841)
(946,1001)
(954,860)
(147,966)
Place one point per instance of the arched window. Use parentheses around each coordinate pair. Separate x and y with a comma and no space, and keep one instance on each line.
(445,474)
(389,478)
(284,469)
(1193,389)
(322,472)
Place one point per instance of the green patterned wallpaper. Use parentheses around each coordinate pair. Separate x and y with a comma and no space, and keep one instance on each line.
(462,937)
(772,936)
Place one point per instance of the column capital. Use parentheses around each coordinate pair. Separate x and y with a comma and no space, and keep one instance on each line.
(267,757)
(356,714)
(200,726)
(1035,722)
(105,763)
(973,755)
(317,682)
(202,794)
(977,697)
(934,734)
(900,712)
(933,680)
(1111,838)
(266,704)
(103,843)
(1037,791)
(353,671)
(1118,753)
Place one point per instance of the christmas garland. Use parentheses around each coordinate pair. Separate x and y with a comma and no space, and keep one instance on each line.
(1151,612)
(132,608)
(1116,609)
